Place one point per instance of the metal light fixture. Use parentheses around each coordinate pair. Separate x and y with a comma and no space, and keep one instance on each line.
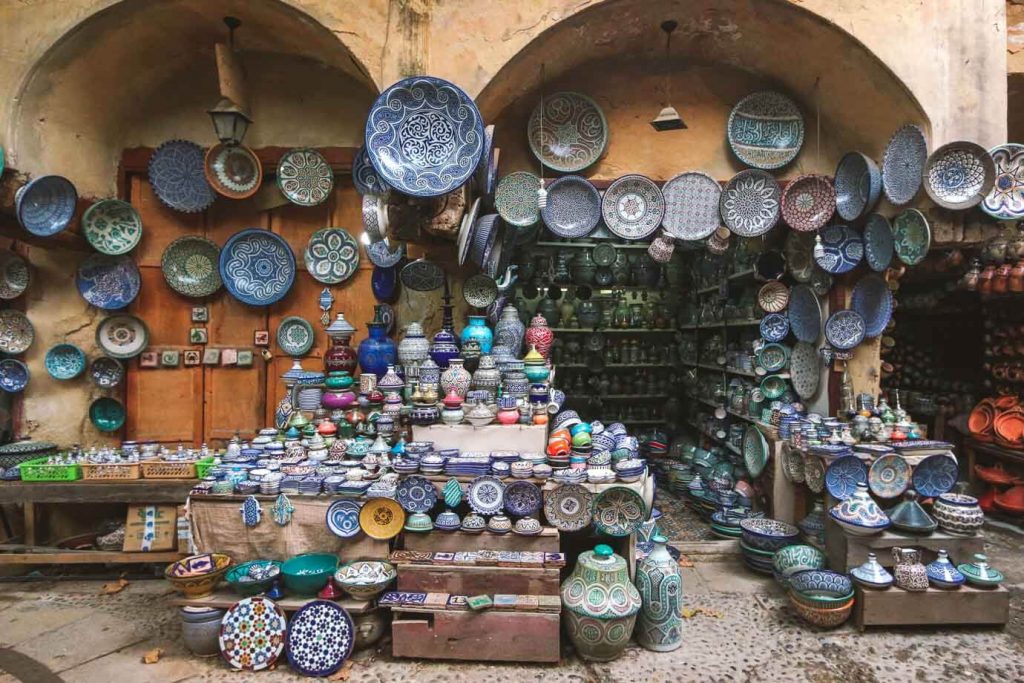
(230,122)
(668,118)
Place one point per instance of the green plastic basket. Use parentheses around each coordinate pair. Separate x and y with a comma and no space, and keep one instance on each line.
(203,466)
(40,470)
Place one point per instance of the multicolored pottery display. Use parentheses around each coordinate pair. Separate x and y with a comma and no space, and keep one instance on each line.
(659,626)
(600,604)
(860,515)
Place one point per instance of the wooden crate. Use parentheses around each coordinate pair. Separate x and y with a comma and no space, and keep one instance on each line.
(965,605)
(845,552)
(480,636)
(455,541)
(477,580)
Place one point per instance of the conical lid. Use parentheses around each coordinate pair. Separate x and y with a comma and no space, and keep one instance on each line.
(340,327)
(908,515)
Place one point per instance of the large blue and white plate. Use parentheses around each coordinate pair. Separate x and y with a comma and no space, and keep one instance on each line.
(343,518)
(843,475)
(903,163)
(14,375)
(416,494)
(935,475)
(959,175)
(486,495)
(108,282)
(774,327)
(1005,201)
(424,136)
(872,298)
(573,209)
(257,267)
(569,134)
(364,175)
(751,203)
(858,184)
(522,498)
(843,249)
(46,205)
(633,207)
(845,329)
(765,130)
(878,242)
(321,636)
(804,314)
(177,173)
(889,476)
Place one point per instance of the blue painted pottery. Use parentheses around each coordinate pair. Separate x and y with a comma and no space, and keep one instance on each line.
(860,515)
(65,361)
(46,205)
(942,573)
(384,283)
(377,351)
(14,375)
(478,331)
(108,282)
(257,267)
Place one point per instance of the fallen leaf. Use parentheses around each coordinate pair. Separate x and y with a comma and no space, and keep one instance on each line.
(152,656)
(111,588)
(343,673)
(690,613)
(685,562)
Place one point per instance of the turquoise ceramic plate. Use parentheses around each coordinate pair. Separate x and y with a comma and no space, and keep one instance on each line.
(295,336)
(112,226)
(912,236)
(65,361)
(106,414)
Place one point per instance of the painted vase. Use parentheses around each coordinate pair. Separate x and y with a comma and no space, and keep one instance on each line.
(487,376)
(600,604)
(455,377)
(414,347)
(444,348)
(384,283)
(340,355)
(477,330)
(377,351)
(539,335)
(430,374)
(958,513)
(660,583)
(509,330)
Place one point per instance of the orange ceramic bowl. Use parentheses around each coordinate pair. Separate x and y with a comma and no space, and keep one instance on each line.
(821,617)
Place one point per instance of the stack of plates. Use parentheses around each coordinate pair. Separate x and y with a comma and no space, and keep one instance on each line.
(381,489)
(354,488)
(311,485)
(333,483)
(725,526)
(570,476)
(405,466)
(505,456)
(474,467)
(500,469)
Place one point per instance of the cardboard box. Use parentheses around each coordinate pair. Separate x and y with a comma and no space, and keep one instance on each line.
(151,528)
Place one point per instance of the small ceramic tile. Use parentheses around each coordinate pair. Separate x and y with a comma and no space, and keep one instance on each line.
(477,602)
(228,357)
(509,558)
(244,358)
(401,556)
(532,560)
(549,603)
(170,359)
(200,314)
(192,358)
(487,557)
(421,556)
(444,558)
(197,335)
(211,357)
(465,558)
(399,598)
(504,601)
(149,359)
(261,338)
(527,603)
(458,602)
(436,600)
(554,559)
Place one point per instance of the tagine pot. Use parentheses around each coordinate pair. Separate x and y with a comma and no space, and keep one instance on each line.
(600,604)
(377,351)
(659,626)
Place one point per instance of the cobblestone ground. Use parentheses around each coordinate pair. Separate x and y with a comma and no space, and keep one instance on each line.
(68,631)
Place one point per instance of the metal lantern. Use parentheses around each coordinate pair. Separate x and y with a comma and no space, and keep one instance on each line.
(229,122)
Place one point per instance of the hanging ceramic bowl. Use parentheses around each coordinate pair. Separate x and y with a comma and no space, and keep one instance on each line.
(365,176)
(773,387)
(618,511)
(691,205)
(804,370)
(515,199)
(295,336)
(108,282)
(878,242)
(808,202)
(799,252)
(755,451)
(122,336)
(46,205)
(64,361)
(935,475)
(872,299)
(381,518)
(773,357)
(14,275)
(912,236)
(751,203)
(381,255)
(106,372)
(569,133)
(480,291)
(604,254)
(422,276)
(858,185)
(959,175)
(573,209)
(233,171)
(107,414)
(773,297)
(304,177)
(843,249)
(903,164)
(633,207)
(14,375)
(804,314)
(774,327)
(845,329)
(190,266)
(177,174)
(765,130)
(257,267)
(331,256)
(814,473)
(112,227)
(1005,201)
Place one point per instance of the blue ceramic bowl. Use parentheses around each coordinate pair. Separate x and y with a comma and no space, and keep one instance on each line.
(821,587)
(46,205)
(65,361)
(14,375)
(768,534)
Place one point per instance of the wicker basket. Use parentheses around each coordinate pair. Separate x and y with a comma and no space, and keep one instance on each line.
(159,469)
(110,471)
(40,470)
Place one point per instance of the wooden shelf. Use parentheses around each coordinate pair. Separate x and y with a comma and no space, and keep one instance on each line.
(590,245)
(421,578)
(613,330)
(845,551)
(90,557)
(933,607)
(224,599)
(546,541)
(87,491)
(491,635)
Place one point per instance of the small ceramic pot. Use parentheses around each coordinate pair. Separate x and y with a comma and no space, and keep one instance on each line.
(200,629)
(958,513)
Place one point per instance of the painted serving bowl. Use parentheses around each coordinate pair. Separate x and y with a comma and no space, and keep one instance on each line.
(820,588)
(823,617)
(306,574)
(769,535)
(197,576)
(365,580)
(253,577)
(796,558)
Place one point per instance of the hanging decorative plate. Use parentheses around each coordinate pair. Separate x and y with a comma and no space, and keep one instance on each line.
(903,164)
(878,242)
(604,254)
(108,282)
(804,314)
(633,207)
(751,203)
(365,176)
(1005,201)
(618,511)
(106,372)
(523,498)
(257,267)
(843,475)
(808,202)
(799,252)
(122,336)
(570,135)
(482,175)
(45,206)
(935,475)
(233,171)
(375,218)
(765,130)
(516,199)
(804,371)
(912,236)
(14,275)
(321,636)
(691,205)
(16,331)
(112,227)
(872,299)
(486,495)
(844,329)
(774,327)
(480,291)
(343,518)
(773,357)
(467,232)
(304,177)
(821,282)
(381,518)
(252,634)
(14,375)
(792,464)
(755,451)
(959,175)
(64,361)
(773,297)
(424,136)
(889,476)
(573,209)
(773,387)
(190,266)
(106,414)
(295,336)
(177,173)
(858,185)
(385,315)
(331,256)
(422,276)
(843,249)
(380,254)
(568,507)
(416,494)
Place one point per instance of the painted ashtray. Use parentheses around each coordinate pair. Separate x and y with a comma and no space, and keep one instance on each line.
(65,361)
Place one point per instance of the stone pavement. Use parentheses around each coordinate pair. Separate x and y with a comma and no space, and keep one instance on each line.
(67,631)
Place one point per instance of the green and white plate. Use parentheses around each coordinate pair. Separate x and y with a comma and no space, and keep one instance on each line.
(755,451)
(190,266)
(332,256)
(516,199)
(295,336)
(304,177)
(911,236)
(112,226)
(122,336)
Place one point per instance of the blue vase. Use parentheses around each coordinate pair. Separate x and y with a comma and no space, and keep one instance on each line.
(477,330)
(384,283)
(444,348)
(377,351)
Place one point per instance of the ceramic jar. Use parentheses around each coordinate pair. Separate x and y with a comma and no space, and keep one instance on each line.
(600,604)
(477,329)
(452,413)
(430,374)
(377,351)
(370,626)
(200,629)
(660,584)
(487,376)
(455,377)
(508,410)
(340,355)
(547,308)
(509,330)
(390,381)
(535,367)
(958,513)
(588,314)
(539,335)
(910,574)
(414,348)
(339,394)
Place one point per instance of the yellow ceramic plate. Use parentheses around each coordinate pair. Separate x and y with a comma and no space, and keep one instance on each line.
(382,518)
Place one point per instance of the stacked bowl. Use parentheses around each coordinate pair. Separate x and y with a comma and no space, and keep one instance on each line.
(821,597)
(761,538)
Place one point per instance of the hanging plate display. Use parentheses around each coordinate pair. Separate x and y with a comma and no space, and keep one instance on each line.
(814,473)
(46,205)
(64,361)
(959,175)
(572,133)
(122,336)
(375,218)
(108,282)
(304,177)
(773,357)
(467,231)
(365,176)
(331,256)
(106,372)
(14,275)
(633,207)
(755,451)
(844,329)
(380,254)
(935,475)
(912,236)
(295,336)
(343,518)
(843,249)
(515,199)
(872,299)
(483,175)
(774,327)
(751,203)
(804,314)
(321,636)
(424,136)
(808,202)
(903,164)
(16,331)
(416,494)
(1005,201)
(799,252)
(252,634)
(381,518)
(486,495)
(858,185)
(889,476)
(14,375)
(107,414)
(480,291)
(765,130)
(177,173)
(190,266)
(257,267)
(112,227)
(523,498)
(422,276)
(878,242)
(573,209)
(773,297)
(843,475)
(804,370)
(233,171)
(691,205)
(618,511)
(568,508)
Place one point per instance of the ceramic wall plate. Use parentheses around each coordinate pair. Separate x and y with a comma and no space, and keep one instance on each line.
(108,282)
(808,202)
(845,329)
(14,275)
(843,249)
(482,178)
(633,207)
(912,236)
(331,256)
(765,130)
(295,336)
(872,299)
(773,357)
(14,375)
(381,518)
(422,275)
(804,314)
(375,217)
(570,132)
(343,518)
(486,495)
(467,231)
(751,203)
(190,266)
(774,327)
(257,267)
(416,494)
(233,171)
(618,511)
(46,205)
(107,414)
(959,175)
(691,205)
(177,174)
(424,136)
(381,254)
(799,252)
(935,475)
(239,646)
(773,297)
(321,637)
(903,164)
(878,242)
(515,199)
(814,473)
(755,451)
(858,185)
(64,361)
(365,176)
(523,498)
(843,475)
(106,372)
(574,207)
(1005,201)
(804,370)
(773,387)
(112,226)
(889,476)
(122,336)
(304,177)
(480,291)
(568,507)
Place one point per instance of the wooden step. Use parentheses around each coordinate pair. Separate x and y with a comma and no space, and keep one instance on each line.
(477,580)
(475,636)
(964,605)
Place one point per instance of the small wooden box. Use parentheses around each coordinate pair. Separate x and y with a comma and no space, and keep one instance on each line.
(478,580)
(477,636)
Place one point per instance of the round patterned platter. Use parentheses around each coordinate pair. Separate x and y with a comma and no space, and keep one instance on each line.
(16,331)
(773,297)
(422,275)
(804,370)
(858,185)
(112,226)
(257,267)
(343,518)
(64,361)
(872,299)
(14,275)
(808,202)
(480,291)
(304,177)
(633,207)
(381,255)
(364,175)
(799,252)
(107,414)
(189,265)
(233,171)
(845,329)
(935,475)
(618,511)
(691,205)
(889,476)
(108,282)
(45,205)
(573,209)
(424,136)
(773,357)
(1005,201)
(959,175)
(804,314)
(569,133)
(486,495)
(568,508)
(755,451)
(106,372)
(751,203)
(903,163)
(774,327)
(843,249)
(515,199)
(295,336)
(814,473)
(122,336)
(765,130)
(178,175)
(331,256)
(416,494)
(912,236)
(321,636)
(522,498)
(252,634)
(14,375)
(467,231)
(381,518)
(878,242)
(843,475)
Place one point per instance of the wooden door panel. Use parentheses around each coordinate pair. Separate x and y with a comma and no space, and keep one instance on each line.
(167,314)
(234,401)
(165,404)
(226,217)
(160,225)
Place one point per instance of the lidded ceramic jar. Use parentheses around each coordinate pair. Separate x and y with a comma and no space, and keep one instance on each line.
(477,329)
(479,415)
(390,381)
(487,376)
(660,584)
(539,335)
(600,604)
(443,349)
(414,347)
(509,330)
(535,366)
(958,513)
(430,374)
(452,414)
(340,355)
(455,378)
(339,394)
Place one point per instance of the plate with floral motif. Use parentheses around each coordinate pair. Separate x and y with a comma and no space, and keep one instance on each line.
(522,498)
(108,282)
(1005,201)
(618,511)
(889,476)
(177,173)
(691,206)
(233,171)
(633,207)
(872,298)
(515,199)
(568,133)
(959,175)
(321,636)
(808,202)
(912,236)
(331,256)
(903,164)
(568,507)
(573,208)
(845,329)
(751,203)
(252,634)
(381,518)
(774,327)
(295,336)
(858,184)
(16,331)
(842,249)
(45,205)
(304,177)
(755,451)
(257,267)
(14,375)
(112,227)
(190,266)
(804,370)
(843,475)
(935,475)
(122,336)
(416,494)
(486,495)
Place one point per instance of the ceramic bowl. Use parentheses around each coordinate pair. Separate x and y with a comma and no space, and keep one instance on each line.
(768,534)
(306,574)
(365,580)
(253,577)
(821,616)
(796,558)
(820,588)
(199,583)
(64,361)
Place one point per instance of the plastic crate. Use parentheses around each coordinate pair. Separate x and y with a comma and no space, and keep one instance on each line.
(159,469)
(110,471)
(40,470)
(204,466)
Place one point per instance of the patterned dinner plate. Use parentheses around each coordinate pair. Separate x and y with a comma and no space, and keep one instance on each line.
(381,518)
(912,236)
(480,291)
(416,494)
(106,372)
(515,199)
(845,329)
(233,171)
(804,314)
(751,203)
(935,475)
(633,207)
(774,327)
(808,202)
(858,185)
(122,336)
(843,475)
(108,282)
(765,130)
(569,133)
(1005,201)
(959,175)
(486,495)
(618,511)
(691,205)
(14,275)
(252,634)
(878,242)
(773,357)
(523,498)
(365,176)
(304,177)
(64,361)
(331,256)
(295,336)
(112,227)
(799,252)
(343,518)
(872,298)
(889,476)
(14,375)
(321,636)
(46,205)
(190,266)
(843,249)
(573,209)
(814,473)
(177,173)
(257,267)
(568,507)
(804,370)
(903,164)
(755,451)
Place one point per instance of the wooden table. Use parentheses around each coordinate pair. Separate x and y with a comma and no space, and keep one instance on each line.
(973,447)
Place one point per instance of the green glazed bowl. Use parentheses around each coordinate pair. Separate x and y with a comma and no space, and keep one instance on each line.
(107,414)
(252,587)
(306,574)
(795,558)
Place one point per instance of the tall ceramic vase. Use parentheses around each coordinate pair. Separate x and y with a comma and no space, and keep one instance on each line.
(456,377)
(510,330)
(377,351)
(477,330)
(660,624)
(600,604)
(540,335)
